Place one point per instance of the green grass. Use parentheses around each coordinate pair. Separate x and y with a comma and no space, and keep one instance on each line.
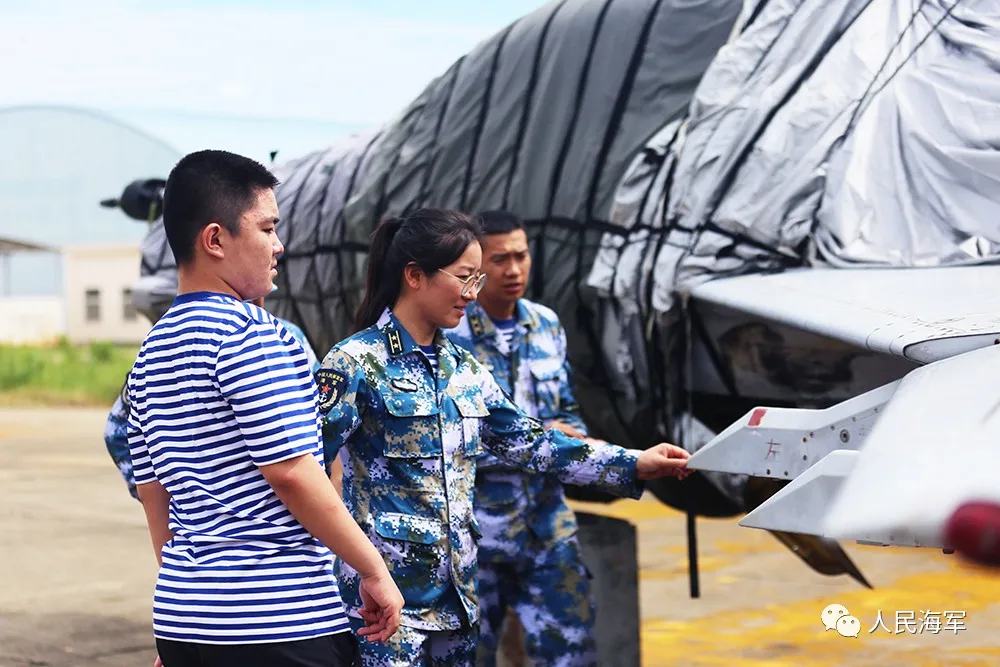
(63,374)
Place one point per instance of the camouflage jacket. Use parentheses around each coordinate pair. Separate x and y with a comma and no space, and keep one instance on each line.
(513,504)
(408,441)
(114,429)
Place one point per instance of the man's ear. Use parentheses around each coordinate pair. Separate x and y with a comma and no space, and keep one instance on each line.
(211,240)
(413,275)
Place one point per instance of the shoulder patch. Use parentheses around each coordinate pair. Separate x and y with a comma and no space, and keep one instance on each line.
(331,387)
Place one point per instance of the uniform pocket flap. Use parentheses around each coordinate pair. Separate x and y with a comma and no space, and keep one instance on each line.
(407,404)
(471,405)
(408,527)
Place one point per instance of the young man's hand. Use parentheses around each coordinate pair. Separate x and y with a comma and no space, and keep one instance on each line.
(382,604)
(663,460)
(571,431)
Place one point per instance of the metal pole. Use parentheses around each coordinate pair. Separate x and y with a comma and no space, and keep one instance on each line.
(687,429)
(692,537)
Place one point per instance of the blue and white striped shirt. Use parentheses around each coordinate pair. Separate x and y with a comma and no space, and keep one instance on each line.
(507,329)
(220,388)
(430,352)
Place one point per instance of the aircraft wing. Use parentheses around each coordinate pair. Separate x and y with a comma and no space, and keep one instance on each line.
(921,314)
(935,448)
(907,463)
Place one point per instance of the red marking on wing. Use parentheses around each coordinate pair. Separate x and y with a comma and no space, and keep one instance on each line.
(974,530)
(757,415)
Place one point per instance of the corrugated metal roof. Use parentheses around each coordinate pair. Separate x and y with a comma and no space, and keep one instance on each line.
(8,245)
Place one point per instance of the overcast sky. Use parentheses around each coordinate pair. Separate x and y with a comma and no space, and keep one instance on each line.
(350,61)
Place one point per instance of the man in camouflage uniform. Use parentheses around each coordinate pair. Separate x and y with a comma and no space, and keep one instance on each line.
(408,424)
(529,557)
(114,429)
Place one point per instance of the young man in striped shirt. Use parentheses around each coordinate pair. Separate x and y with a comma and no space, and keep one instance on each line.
(226,446)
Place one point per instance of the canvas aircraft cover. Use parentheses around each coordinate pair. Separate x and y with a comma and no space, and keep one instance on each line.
(542,119)
(655,144)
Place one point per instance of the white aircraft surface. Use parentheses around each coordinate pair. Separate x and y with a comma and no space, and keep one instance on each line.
(911,462)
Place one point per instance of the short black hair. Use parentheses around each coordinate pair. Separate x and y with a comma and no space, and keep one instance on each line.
(499,222)
(205,187)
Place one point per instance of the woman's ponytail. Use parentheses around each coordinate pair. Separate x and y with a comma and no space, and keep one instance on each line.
(381,282)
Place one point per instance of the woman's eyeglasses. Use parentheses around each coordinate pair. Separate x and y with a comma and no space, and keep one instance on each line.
(473,282)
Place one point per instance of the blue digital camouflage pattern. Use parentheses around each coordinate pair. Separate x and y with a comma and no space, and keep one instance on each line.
(512,505)
(114,429)
(552,599)
(543,378)
(410,647)
(408,441)
(116,440)
(529,558)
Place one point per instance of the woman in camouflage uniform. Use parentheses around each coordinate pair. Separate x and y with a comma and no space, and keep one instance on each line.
(408,412)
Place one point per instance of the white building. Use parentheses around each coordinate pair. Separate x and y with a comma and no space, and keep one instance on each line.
(58,163)
(98,293)
(27,318)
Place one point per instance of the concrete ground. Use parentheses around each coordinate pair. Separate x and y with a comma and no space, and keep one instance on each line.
(77,570)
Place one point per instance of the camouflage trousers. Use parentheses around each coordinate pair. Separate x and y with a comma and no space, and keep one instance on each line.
(411,647)
(552,599)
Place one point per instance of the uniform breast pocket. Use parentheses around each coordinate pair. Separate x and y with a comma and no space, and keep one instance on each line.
(546,375)
(473,410)
(411,428)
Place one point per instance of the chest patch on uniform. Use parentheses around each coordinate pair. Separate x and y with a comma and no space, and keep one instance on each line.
(403,384)
(331,387)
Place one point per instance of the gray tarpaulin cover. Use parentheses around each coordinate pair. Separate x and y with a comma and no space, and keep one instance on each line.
(653,144)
